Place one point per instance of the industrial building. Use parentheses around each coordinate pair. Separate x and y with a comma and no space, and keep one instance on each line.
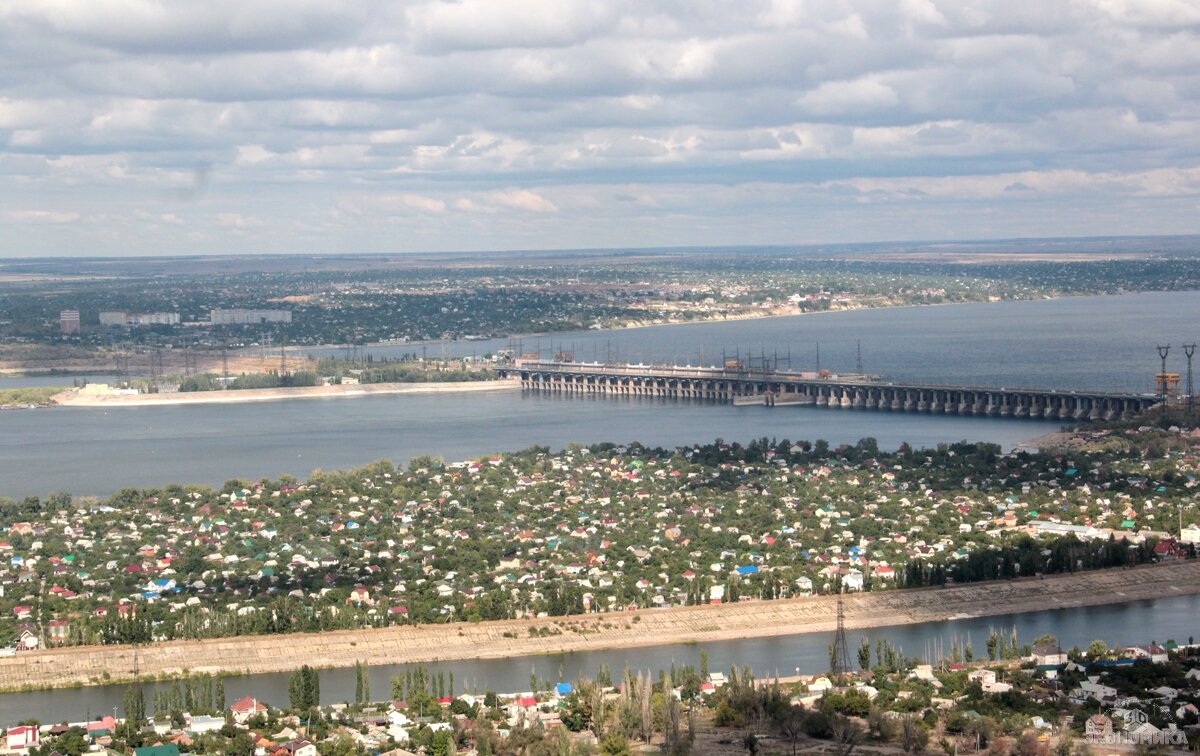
(249,317)
(68,321)
(122,318)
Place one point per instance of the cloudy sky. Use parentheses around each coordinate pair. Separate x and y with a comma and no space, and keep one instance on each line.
(163,127)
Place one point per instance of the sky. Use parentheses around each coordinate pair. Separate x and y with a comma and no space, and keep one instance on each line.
(153,127)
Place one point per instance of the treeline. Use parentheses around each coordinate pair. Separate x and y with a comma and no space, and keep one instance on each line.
(1026,557)
(269,380)
(198,694)
(404,370)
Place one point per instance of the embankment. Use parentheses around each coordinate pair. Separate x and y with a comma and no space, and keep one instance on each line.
(280,653)
(77,398)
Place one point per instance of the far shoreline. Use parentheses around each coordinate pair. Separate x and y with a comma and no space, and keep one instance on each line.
(735,318)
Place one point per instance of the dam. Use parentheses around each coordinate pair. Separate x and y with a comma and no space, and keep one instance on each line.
(734,384)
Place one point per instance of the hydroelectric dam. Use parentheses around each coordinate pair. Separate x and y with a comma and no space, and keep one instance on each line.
(742,386)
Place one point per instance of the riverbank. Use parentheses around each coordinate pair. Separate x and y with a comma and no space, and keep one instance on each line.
(593,632)
(81,398)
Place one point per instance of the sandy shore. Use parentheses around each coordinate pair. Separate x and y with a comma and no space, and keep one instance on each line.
(593,632)
(76,398)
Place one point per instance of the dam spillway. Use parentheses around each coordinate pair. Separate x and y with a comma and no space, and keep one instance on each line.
(741,386)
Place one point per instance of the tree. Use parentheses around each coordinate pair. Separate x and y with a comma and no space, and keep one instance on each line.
(846,734)
(1097,649)
(135,712)
(304,689)
(864,655)
(615,745)
(792,727)
(913,735)
(358,682)
(1045,640)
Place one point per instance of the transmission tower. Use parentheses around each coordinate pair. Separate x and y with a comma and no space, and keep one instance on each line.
(841,654)
(859,363)
(1163,351)
(224,366)
(1188,351)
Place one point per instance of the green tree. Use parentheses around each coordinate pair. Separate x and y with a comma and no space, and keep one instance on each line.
(304,689)
(135,713)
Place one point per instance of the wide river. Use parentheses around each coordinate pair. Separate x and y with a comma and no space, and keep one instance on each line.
(1117,624)
(1082,343)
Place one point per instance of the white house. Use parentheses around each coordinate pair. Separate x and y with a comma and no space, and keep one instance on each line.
(202,724)
(1049,654)
(1097,691)
(1151,652)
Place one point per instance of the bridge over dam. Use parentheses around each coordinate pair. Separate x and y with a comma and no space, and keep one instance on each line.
(741,386)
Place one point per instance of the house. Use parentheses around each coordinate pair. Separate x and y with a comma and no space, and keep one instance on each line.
(987,681)
(298,747)
(853,581)
(23,738)
(26,640)
(60,631)
(820,684)
(202,724)
(245,708)
(103,726)
(1153,653)
(1190,534)
(1089,689)
(1049,654)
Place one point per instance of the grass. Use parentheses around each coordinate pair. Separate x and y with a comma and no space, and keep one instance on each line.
(22,397)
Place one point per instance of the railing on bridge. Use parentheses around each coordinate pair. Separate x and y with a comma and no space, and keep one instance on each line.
(667,369)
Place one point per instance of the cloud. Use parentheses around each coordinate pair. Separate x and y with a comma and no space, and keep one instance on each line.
(523,199)
(237,221)
(427,204)
(485,123)
(42,216)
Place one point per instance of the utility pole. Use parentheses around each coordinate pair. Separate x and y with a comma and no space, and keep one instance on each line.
(1188,351)
(1163,351)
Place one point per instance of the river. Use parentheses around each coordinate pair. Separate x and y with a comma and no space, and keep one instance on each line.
(1097,342)
(1082,343)
(1117,624)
